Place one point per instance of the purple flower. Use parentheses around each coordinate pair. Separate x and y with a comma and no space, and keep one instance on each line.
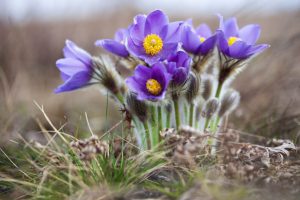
(115,46)
(152,38)
(178,66)
(76,68)
(149,83)
(238,43)
(197,41)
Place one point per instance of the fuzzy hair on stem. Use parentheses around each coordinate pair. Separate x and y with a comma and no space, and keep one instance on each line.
(193,87)
(208,86)
(108,76)
(229,101)
(210,108)
(136,107)
(201,63)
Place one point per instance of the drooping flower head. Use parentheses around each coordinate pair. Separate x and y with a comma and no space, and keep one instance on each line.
(116,46)
(238,43)
(178,65)
(152,38)
(197,41)
(76,68)
(149,83)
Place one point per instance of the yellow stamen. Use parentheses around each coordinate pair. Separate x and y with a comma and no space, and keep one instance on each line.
(153,86)
(153,44)
(202,39)
(232,40)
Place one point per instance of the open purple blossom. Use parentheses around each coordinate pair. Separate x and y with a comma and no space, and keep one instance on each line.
(179,66)
(76,68)
(238,43)
(152,38)
(149,83)
(197,41)
(116,45)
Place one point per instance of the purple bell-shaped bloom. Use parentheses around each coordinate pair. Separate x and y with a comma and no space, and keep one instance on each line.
(178,66)
(149,83)
(238,43)
(152,38)
(197,41)
(76,68)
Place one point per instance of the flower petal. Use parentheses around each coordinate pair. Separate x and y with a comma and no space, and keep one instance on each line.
(159,73)
(74,82)
(208,45)
(250,33)
(113,47)
(167,50)
(135,50)
(179,58)
(71,50)
(142,72)
(204,31)
(70,66)
(190,40)
(229,27)
(137,30)
(155,21)
(172,32)
(239,50)
(222,42)
(257,49)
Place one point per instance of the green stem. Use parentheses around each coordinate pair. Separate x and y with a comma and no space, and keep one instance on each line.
(145,141)
(168,124)
(219,89)
(217,121)
(191,114)
(120,97)
(185,110)
(207,120)
(154,132)
(177,114)
(159,118)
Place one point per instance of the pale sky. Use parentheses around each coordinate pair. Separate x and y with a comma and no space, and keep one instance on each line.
(24,10)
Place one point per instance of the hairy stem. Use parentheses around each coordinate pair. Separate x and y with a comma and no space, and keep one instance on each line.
(159,118)
(168,124)
(177,114)
(207,120)
(146,140)
(191,118)
(219,89)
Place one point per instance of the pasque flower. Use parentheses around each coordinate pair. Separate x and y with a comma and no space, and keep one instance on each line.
(76,68)
(116,45)
(152,38)
(197,41)
(238,43)
(178,64)
(149,83)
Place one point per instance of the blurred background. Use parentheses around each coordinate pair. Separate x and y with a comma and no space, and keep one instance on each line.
(32,36)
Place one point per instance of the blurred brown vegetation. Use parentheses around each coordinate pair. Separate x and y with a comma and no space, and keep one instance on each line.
(269,86)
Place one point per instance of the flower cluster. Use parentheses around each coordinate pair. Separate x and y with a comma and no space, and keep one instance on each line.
(169,63)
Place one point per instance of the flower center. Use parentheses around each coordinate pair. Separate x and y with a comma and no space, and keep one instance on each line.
(153,86)
(202,39)
(232,40)
(153,44)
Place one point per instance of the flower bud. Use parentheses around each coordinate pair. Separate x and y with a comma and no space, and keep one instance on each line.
(229,102)
(208,85)
(193,87)
(108,75)
(210,108)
